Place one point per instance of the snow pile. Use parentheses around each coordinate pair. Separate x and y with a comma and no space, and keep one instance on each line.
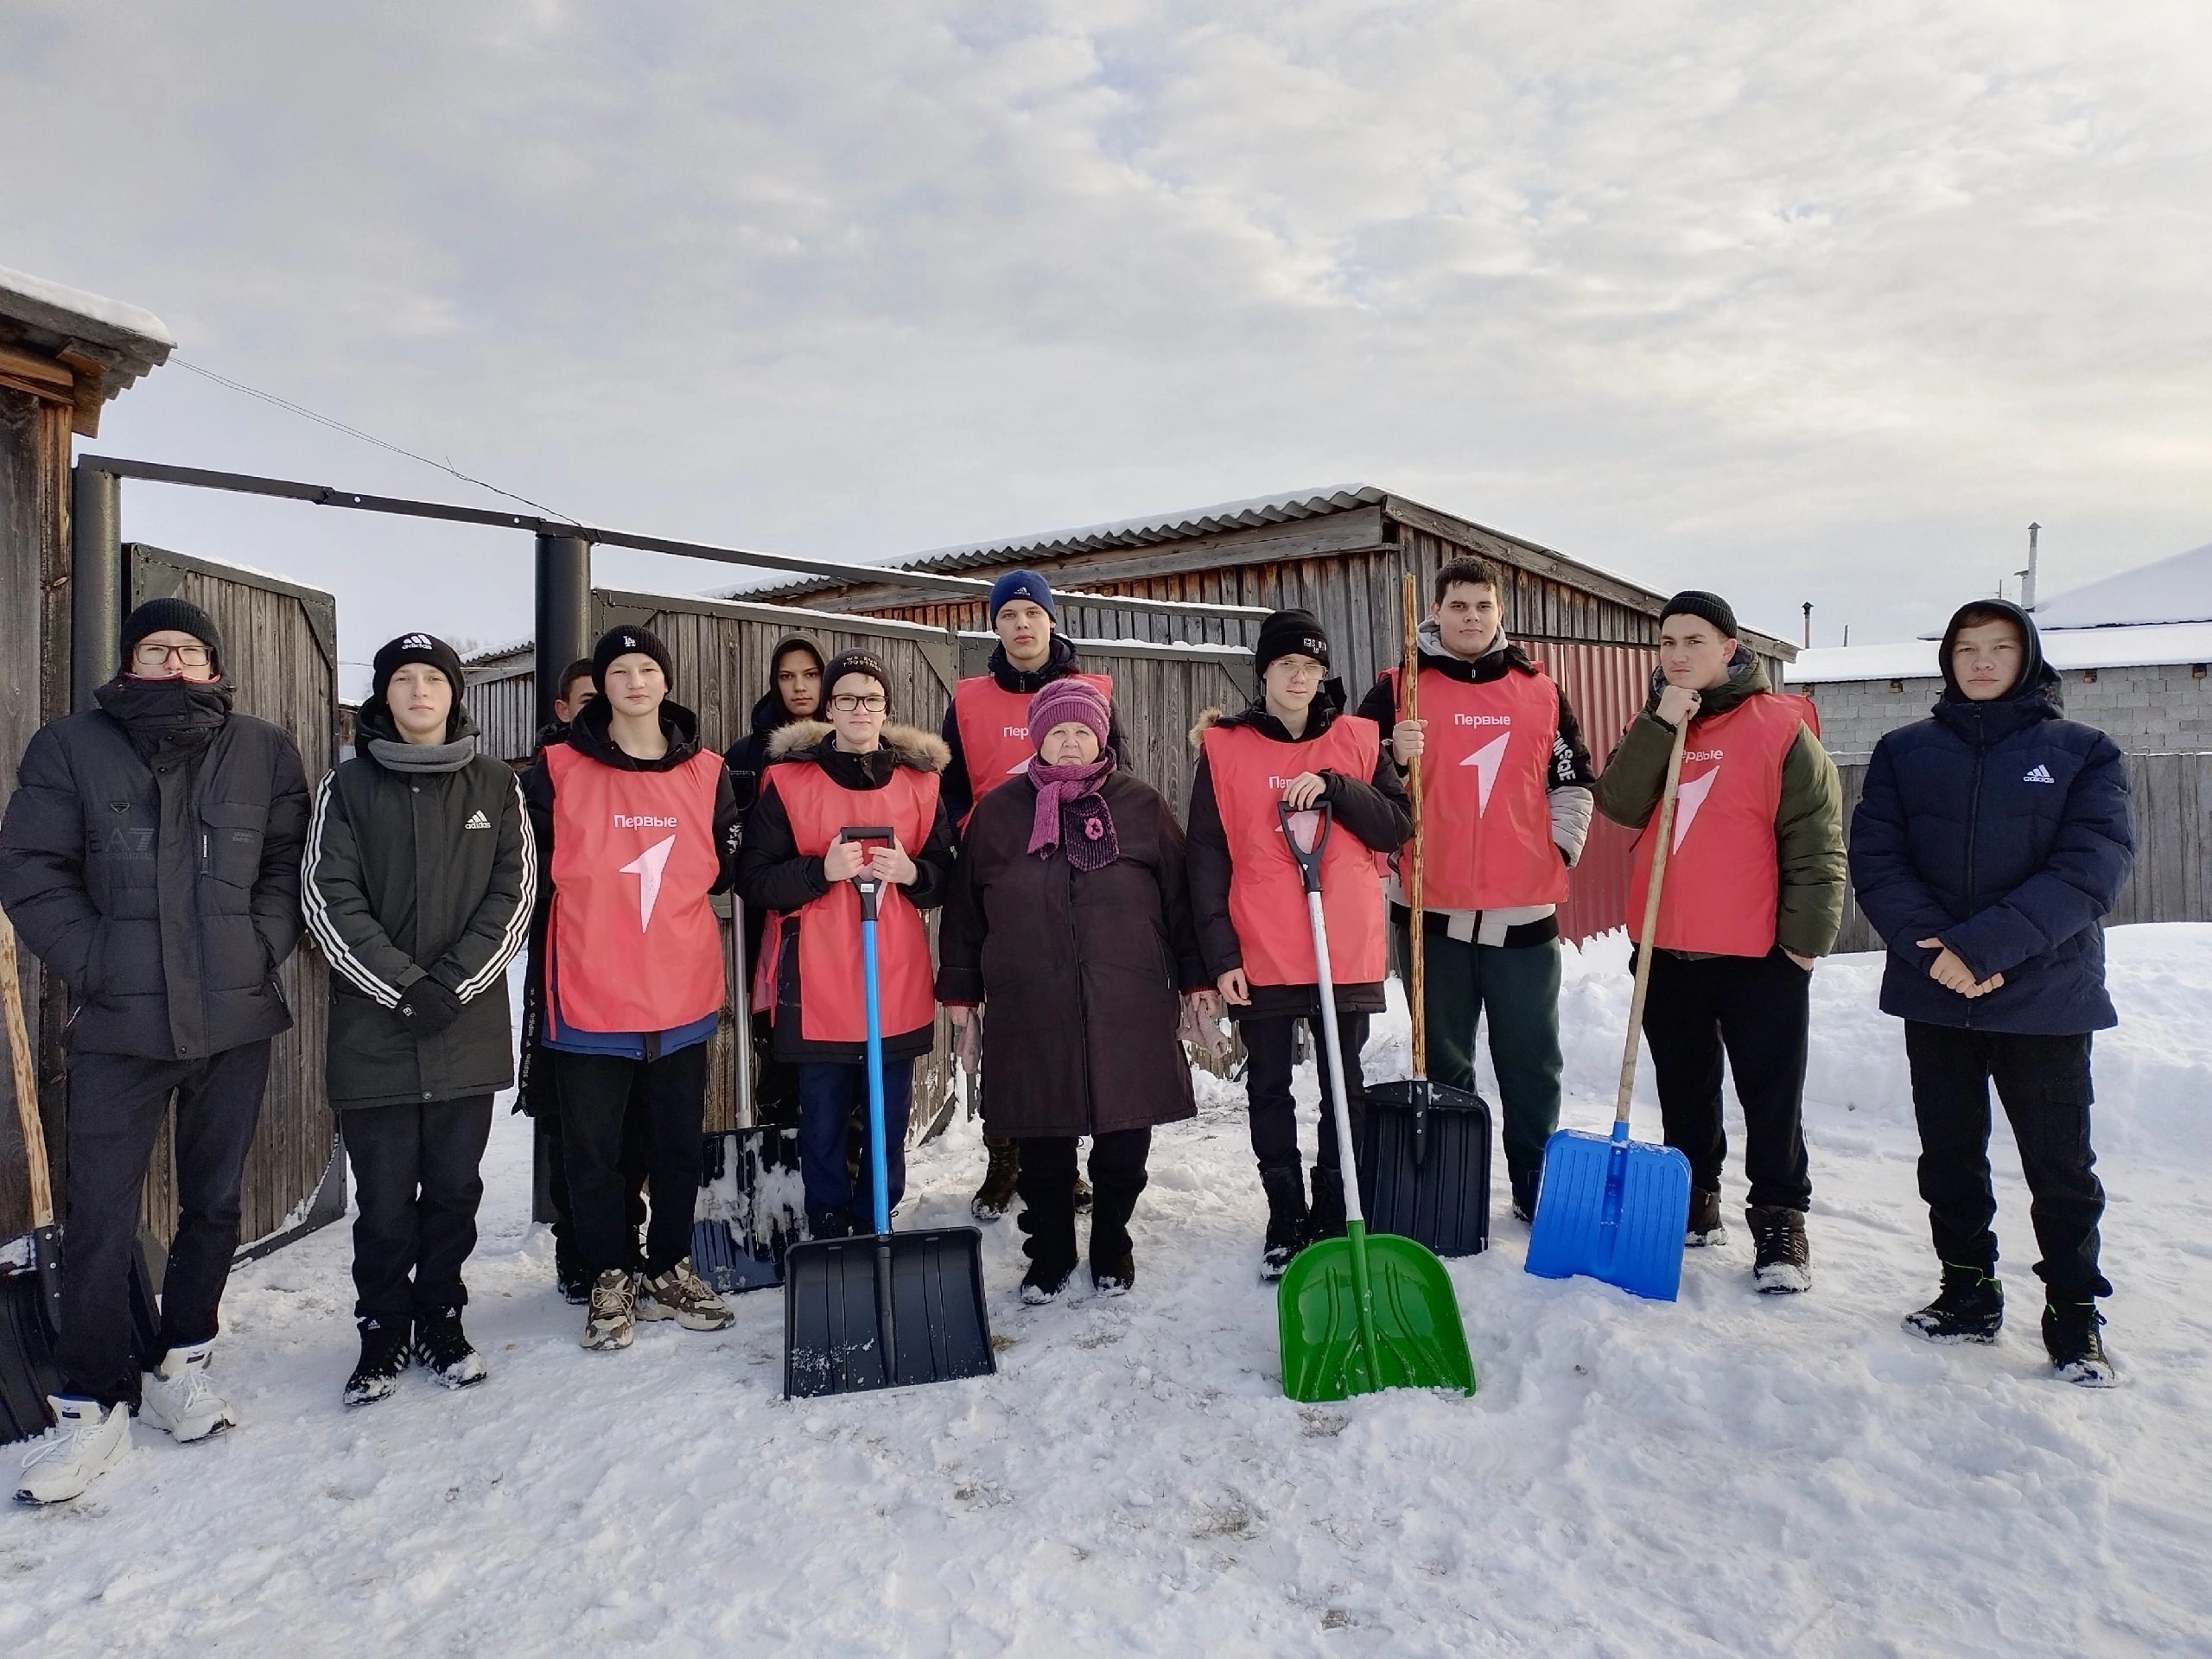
(1729,1474)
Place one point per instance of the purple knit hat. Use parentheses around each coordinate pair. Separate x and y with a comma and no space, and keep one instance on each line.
(1067,699)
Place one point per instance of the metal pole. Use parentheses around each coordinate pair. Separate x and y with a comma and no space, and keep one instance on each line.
(563,611)
(95,580)
(1808,640)
(2028,576)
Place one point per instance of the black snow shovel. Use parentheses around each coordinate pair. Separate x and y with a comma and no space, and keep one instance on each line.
(752,1205)
(30,1267)
(1425,1173)
(899,1308)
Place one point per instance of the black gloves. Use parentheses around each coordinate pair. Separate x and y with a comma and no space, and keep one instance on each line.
(428,1007)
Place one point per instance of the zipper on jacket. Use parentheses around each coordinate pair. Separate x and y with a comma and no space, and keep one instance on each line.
(1973,823)
(1082,1005)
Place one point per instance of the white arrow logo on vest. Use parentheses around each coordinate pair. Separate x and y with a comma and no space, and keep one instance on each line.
(1690,797)
(1018,767)
(1486,760)
(647,867)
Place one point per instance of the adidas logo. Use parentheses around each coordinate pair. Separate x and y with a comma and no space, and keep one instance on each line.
(477,821)
(2038,774)
(418,642)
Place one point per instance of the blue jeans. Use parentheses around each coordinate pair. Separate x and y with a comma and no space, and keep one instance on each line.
(828,1094)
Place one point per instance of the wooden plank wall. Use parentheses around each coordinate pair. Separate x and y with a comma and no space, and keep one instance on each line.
(504,705)
(2171,806)
(33,688)
(279,647)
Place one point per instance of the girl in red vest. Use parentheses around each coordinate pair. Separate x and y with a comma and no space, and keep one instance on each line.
(855,770)
(1293,743)
(987,741)
(635,825)
(1507,792)
(1753,894)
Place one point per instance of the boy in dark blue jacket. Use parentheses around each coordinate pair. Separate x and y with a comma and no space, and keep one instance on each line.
(1989,844)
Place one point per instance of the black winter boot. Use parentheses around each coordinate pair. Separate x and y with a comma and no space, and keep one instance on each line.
(387,1349)
(995,1196)
(1526,1187)
(1970,1307)
(2075,1347)
(1048,1216)
(1286,1190)
(1705,1226)
(1784,1261)
(444,1348)
(1327,1218)
(1113,1262)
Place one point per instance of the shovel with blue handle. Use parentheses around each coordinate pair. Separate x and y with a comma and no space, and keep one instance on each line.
(1610,1208)
(899,1308)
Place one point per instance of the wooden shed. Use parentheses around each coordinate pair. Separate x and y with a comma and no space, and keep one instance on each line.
(1339,553)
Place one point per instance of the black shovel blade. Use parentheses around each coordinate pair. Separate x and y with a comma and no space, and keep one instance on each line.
(1424,1166)
(752,1208)
(883,1311)
(29,1321)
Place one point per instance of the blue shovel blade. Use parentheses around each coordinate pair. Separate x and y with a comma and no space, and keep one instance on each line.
(1613,1210)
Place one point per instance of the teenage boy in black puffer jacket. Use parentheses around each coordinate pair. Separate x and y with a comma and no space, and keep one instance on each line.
(418,884)
(1990,843)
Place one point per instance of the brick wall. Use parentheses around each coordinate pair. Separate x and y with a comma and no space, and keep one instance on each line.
(2165,709)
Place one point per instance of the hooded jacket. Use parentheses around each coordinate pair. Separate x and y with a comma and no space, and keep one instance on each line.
(1060,661)
(773,875)
(420,864)
(2001,829)
(1374,810)
(1808,818)
(150,857)
(747,758)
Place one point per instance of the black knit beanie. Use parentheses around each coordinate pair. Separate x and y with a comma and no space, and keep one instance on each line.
(1290,633)
(620,642)
(415,648)
(855,662)
(1712,608)
(184,616)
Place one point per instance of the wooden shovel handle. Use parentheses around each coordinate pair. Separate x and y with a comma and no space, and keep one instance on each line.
(24,1070)
(1643,940)
(1409,701)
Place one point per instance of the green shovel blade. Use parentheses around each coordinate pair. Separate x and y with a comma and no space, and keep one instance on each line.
(1418,1341)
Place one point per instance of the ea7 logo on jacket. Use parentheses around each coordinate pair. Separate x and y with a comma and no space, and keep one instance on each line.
(2037,773)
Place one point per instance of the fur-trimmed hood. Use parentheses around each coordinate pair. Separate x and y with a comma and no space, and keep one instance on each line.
(909,745)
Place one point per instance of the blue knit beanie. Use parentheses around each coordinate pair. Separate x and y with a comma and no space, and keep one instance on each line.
(1020,584)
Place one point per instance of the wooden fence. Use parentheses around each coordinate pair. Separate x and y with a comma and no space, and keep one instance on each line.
(280,647)
(2171,804)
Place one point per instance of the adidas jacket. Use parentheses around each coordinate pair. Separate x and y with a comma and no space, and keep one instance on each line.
(425,870)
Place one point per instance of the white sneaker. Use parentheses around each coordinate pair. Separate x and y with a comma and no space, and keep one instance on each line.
(180,1398)
(84,1443)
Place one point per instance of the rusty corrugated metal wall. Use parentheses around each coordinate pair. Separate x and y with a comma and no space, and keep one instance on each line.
(1605,686)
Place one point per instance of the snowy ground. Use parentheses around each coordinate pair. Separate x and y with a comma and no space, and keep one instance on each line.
(1731,1474)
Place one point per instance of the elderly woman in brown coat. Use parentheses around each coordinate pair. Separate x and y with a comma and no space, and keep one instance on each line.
(1068,921)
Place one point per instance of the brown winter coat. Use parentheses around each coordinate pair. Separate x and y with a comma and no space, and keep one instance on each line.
(1081,972)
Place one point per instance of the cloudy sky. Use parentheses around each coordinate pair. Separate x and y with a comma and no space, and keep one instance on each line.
(1794,301)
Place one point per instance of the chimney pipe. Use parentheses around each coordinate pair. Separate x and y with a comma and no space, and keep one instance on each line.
(2028,575)
(1808,640)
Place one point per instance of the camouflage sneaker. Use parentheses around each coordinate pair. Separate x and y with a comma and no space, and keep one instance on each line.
(613,1299)
(682,1295)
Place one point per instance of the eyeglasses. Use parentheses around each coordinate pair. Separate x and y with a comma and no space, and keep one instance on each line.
(148,655)
(846,702)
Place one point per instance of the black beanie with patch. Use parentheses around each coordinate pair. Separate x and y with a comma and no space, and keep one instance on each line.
(396,654)
(622,642)
(1290,633)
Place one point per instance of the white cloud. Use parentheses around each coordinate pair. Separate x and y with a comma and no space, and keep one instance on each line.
(1794,301)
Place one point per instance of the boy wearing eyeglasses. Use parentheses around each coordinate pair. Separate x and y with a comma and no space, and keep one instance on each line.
(150,858)
(855,770)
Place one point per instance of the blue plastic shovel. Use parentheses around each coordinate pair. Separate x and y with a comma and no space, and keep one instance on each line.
(1613,1208)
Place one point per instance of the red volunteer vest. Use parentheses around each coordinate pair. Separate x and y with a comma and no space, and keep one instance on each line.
(833,989)
(1266,901)
(994,726)
(635,943)
(1722,879)
(1486,842)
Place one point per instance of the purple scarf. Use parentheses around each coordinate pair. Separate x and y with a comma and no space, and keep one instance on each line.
(1071,808)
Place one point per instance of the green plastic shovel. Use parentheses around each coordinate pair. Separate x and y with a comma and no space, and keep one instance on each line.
(1359,1314)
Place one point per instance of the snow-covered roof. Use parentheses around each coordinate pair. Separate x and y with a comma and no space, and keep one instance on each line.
(1156,527)
(2176,589)
(2063,648)
(124,341)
